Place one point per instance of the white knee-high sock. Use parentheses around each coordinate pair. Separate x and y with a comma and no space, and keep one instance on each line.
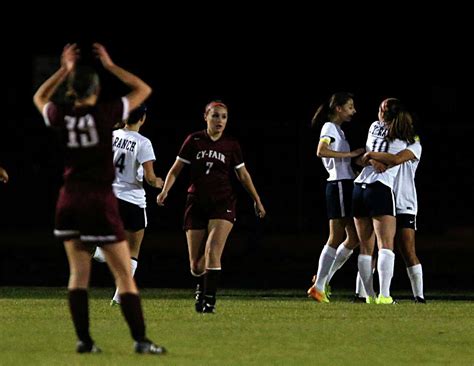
(415,274)
(385,267)
(326,260)
(342,255)
(360,290)
(364,262)
(134,265)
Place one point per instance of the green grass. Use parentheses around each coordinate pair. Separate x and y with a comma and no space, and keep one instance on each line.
(250,328)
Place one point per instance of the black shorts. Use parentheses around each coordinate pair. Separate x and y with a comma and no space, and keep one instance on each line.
(133,216)
(339,198)
(198,211)
(374,199)
(406,221)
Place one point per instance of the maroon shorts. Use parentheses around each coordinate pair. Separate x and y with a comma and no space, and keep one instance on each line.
(88,213)
(198,212)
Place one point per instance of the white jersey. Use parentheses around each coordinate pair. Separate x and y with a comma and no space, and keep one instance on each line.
(377,141)
(405,191)
(338,168)
(130,150)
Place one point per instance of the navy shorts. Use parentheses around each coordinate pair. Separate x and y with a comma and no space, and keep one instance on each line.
(133,216)
(89,213)
(339,198)
(406,221)
(199,211)
(374,199)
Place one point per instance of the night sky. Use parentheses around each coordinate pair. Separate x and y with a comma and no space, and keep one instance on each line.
(272,71)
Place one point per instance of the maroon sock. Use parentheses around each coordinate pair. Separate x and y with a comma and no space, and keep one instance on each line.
(133,314)
(79,307)
(211,280)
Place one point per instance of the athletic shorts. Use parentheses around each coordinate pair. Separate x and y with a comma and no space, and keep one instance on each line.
(198,211)
(133,216)
(339,198)
(374,199)
(89,213)
(406,221)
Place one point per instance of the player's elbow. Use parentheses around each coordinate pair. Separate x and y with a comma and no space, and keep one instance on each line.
(147,90)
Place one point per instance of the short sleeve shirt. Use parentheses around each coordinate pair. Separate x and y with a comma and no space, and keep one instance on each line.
(212,164)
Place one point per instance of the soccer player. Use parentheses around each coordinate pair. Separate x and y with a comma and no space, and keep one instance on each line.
(87,210)
(406,209)
(133,160)
(373,198)
(335,152)
(209,215)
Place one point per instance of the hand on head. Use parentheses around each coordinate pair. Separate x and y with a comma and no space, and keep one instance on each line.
(102,54)
(69,56)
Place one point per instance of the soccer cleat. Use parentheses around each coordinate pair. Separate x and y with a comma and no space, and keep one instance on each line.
(317,295)
(85,347)
(148,347)
(327,287)
(327,290)
(114,303)
(371,300)
(419,300)
(208,309)
(358,298)
(199,303)
(385,300)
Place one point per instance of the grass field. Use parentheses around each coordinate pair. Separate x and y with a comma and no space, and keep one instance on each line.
(250,328)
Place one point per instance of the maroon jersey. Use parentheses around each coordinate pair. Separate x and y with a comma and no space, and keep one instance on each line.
(87,135)
(212,164)
(87,208)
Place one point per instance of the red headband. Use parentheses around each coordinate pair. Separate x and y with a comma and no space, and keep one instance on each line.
(214,104)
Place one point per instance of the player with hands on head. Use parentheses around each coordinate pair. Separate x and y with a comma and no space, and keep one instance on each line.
(87,210)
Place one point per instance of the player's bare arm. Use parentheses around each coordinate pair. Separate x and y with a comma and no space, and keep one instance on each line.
(389,159)
(150,176)
(45,92)
(169,181)
(244,177)
(140,89)
(323,151)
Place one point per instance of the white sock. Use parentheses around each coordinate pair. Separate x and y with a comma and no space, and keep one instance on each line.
(364,262)
(342,255)
(134,265)
(99,255)
(326,260)
(360,290)
(415,274)
(385,266)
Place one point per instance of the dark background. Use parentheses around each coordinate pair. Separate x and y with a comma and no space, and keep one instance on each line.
(272,71)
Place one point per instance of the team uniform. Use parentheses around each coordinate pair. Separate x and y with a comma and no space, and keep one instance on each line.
(341,176)
(87,208)
(407,208)
(405,189)
(210,195)
(373,191)
(130,151)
